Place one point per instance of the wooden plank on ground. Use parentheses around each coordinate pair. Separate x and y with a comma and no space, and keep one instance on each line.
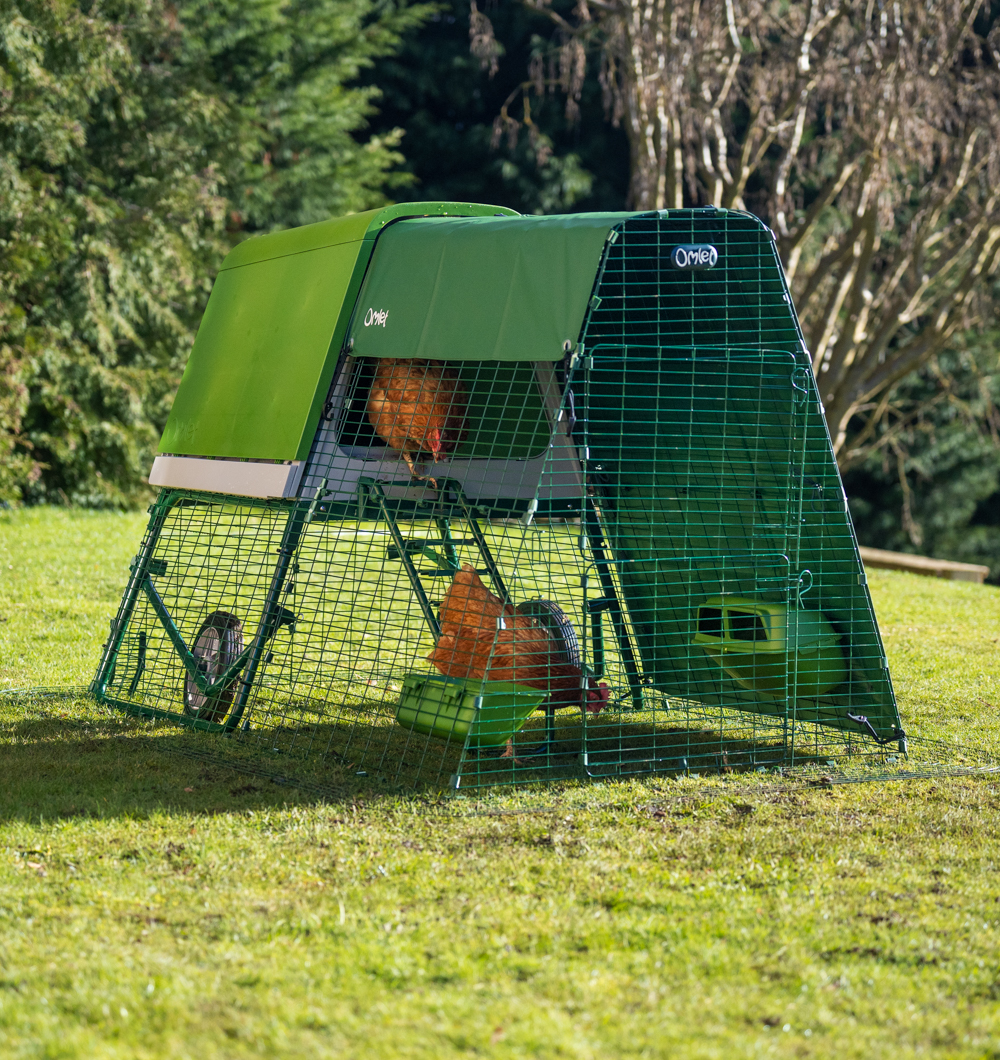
(934,568)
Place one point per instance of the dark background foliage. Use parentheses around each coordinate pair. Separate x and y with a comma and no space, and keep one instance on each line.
(138,142)
(447,101)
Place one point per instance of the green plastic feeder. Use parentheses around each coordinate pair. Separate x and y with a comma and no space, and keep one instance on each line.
(771,648)
(452,709)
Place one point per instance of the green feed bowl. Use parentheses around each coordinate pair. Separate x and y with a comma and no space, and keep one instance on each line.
(446,707)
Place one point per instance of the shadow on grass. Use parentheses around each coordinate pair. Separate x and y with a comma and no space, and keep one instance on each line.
(370,743)
(75,759)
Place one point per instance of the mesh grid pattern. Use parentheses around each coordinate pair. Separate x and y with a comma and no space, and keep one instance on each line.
(636,560)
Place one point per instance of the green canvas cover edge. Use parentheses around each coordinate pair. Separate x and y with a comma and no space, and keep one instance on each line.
(265,351)
(487,289)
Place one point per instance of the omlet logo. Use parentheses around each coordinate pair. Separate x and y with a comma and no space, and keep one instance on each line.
(376,317)
(694,256)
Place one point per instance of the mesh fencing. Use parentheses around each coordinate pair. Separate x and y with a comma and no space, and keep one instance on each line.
(634,560)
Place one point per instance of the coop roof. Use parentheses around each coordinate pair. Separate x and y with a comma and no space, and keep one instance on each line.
(266,350)
(480,289)
(467,287)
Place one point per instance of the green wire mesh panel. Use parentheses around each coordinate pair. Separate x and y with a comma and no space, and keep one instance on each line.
(711,459)
(635,560)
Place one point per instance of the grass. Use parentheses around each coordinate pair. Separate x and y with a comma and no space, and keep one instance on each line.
(155,904)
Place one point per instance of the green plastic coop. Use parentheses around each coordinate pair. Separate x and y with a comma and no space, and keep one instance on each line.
(644,470)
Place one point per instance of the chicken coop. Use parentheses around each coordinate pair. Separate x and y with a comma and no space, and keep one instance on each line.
(454,496)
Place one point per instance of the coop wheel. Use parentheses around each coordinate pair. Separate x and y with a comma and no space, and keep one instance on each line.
(552,617)
(216,647)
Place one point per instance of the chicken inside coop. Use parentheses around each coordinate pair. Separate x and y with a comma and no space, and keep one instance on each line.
(417,406)
(484,638)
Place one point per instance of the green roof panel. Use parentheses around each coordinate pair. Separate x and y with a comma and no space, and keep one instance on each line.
(266,350)
(480,289)
(249,382)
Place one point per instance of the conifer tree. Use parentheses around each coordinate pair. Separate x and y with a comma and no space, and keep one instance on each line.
(138,142)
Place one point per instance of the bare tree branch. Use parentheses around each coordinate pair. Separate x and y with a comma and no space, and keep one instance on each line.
(869,134)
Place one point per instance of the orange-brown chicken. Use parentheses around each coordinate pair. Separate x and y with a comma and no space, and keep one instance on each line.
(521,650)
(417,407)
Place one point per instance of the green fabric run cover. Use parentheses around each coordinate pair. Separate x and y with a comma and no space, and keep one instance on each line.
(265,353)
(480,289)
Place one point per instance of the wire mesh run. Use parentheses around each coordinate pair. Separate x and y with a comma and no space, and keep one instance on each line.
(634,560)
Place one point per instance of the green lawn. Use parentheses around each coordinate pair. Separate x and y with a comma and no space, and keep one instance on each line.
(157,905)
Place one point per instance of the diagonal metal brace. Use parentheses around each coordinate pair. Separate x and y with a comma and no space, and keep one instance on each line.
(283,617)
(499,586)
(403,553)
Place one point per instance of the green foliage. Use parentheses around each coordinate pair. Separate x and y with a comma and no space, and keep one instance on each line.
(933,485)
(138,141)
(286,72)
(15,467)
(448,99)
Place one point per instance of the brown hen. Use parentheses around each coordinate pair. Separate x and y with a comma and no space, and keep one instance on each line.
(417,406)
(521,650)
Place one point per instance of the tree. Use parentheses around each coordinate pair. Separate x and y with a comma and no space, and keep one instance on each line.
(867,134)
(933,486)
(138,141)
(101,236)
(445,86)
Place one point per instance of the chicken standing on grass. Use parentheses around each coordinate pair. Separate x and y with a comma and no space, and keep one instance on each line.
(417,406)
(517,648)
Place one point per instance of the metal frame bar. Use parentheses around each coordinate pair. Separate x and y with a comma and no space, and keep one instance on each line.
(595,542)
(140,569)
(144,568)
(270,626)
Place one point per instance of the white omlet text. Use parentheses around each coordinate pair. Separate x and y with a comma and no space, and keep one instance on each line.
(695,256)
(377,317)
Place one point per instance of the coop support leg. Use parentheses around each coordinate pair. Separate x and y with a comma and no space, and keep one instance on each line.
(595,541)
(596,609)
(272,617)
(279,618)
(404,555)
(450,552)
(484,550)
(140,665)
(140,570)
(445,487)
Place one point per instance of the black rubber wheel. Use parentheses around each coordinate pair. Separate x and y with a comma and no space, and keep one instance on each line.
(216,647)
(558,626)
